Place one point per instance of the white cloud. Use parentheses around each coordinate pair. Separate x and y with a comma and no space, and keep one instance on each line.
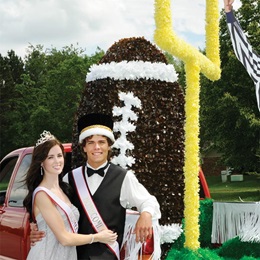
(92,23)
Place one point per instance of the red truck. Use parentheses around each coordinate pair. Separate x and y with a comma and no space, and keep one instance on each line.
(14,220)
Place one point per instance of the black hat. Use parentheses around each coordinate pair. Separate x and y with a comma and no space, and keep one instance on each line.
(95,124)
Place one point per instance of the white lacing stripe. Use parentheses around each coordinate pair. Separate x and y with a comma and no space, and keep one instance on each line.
(133,70)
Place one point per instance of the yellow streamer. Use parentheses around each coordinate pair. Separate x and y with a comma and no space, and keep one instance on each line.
(195,63)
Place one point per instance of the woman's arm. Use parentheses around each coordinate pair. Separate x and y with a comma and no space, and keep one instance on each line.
(51,215)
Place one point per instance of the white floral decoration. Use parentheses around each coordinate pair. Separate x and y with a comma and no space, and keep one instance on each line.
(133,70)
(124,126)
(170,233)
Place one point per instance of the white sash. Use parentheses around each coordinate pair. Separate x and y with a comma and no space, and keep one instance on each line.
(64,206)
(90,207)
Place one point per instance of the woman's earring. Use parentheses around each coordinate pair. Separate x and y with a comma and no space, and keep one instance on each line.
(41,171)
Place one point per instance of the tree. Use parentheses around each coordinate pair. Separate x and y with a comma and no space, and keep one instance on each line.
(45,94)
(179,67)
(230,119)
(11,69)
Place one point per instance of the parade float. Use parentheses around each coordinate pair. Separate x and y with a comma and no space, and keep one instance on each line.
(157,129)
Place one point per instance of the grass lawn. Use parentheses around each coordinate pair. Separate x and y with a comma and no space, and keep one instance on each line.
(246,190)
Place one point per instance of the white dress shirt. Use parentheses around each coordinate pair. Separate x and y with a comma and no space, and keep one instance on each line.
(133,193)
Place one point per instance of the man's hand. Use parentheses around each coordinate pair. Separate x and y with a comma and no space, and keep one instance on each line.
(228,5)
(35,234)
(143,228)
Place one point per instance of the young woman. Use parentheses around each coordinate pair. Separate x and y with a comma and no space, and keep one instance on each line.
(49,205)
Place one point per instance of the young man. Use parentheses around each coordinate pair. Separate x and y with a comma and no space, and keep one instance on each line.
(111,188)
(103,192)
(242,48)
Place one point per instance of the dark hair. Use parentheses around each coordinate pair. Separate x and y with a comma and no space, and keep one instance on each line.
(110,143)
(33,177)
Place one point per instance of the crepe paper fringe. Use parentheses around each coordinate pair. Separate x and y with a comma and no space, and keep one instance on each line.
(250,230)
(232,249)
(161,234)
(236,219)
(133,249)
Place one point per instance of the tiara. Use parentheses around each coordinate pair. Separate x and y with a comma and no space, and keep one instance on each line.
(45,136)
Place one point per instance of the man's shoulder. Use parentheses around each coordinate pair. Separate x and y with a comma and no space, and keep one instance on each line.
(68,177)
(117,168)
(78,169)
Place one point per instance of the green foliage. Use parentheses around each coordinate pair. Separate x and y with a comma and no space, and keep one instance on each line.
(179,243)
(242,249)
(11,69)
(193,255)
(231,249)
(41,93)
(246,190)
(229,117)
(205,222)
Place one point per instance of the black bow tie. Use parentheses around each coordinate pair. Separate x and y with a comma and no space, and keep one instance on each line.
(100,171)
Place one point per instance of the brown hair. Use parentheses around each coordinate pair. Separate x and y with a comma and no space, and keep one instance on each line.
(83,143)
(33,177)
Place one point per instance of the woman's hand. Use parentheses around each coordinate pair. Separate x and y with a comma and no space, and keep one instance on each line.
(106,236)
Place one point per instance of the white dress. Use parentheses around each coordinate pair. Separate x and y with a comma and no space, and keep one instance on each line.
(49,247)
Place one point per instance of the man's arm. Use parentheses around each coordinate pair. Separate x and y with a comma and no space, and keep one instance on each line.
(144,227)
(134,194)
(35,234)
(243,49)
(228,5)
(241,46)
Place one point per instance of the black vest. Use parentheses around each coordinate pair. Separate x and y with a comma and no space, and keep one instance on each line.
(107,201)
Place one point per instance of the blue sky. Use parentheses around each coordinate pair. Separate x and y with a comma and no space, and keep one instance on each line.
(92,23)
